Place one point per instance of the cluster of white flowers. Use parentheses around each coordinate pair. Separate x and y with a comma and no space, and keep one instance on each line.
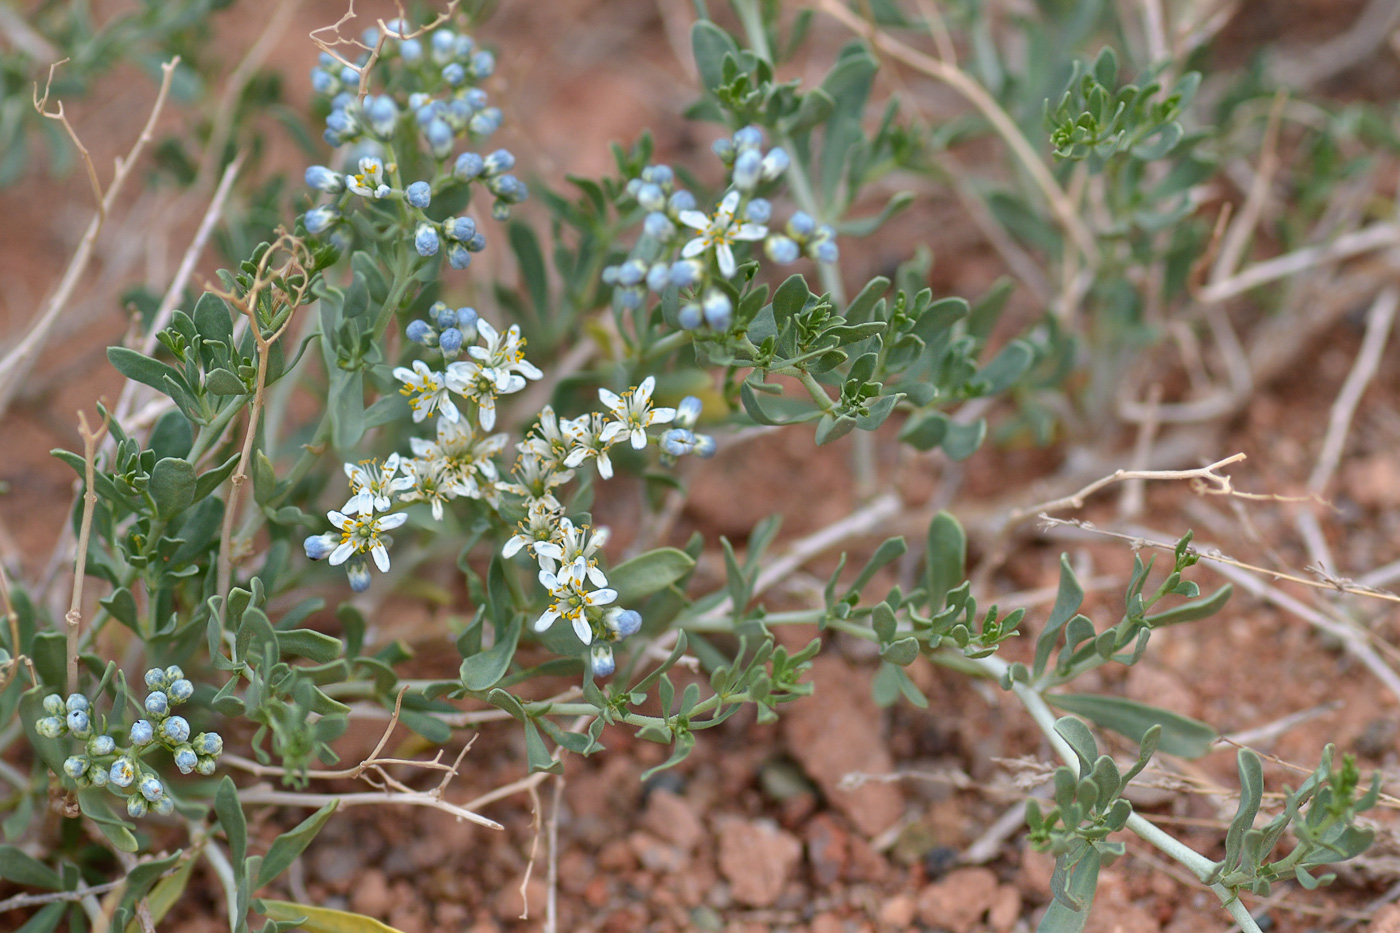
(461,462)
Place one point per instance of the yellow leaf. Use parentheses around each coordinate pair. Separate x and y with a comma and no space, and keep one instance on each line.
(323,919)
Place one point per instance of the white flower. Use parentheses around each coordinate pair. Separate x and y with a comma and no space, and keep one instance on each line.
(503,355)
(574,548)
(471,380)
(719,232)
(570,600)
(548,440)
(372,485)
(430,481)
(537,529)
(467,457)
(426,391)
(536,478)
(633,413)
(361,535)
(586,432)
(369,183)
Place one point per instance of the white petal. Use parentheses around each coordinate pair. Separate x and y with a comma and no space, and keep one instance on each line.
(749,232)
(611,430)
(597,577)
(694,219)
(604,465)
(529,370)
(449,409)
(513,545)
(730,203)
(575,457)
(582,630)
(602,597)
(726,259)
(694,248)
(342,553)
(388,522)
(610,398)
(486,330)
(549,581)
(488,413)
(639,438)
(643,393)
(662,416)
(545,620)
(381,557)
(338,520)
(549,549)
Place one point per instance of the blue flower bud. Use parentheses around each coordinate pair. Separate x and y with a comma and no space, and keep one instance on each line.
(344,100)
(319,547)
(451,341)
(323,179)
(137,806)
(52,727)
(659,175)
(688,412)
(459,114)
(155,679)
(627,623)
(322,82)
(79,724)
(689,316)
(76,701)
(719,310)
(163,807)
(475,98)
(357,572)
(629,299)
(750,137)
(508,188)
(774,164)
(680,201)
(174,672)
(370,37)
(801,225)
(429,111)
(54,705)
(678,442)
(454,74)
(439,137)
(658,277)
(425,239)
(411,50)
(180,690)
(100,745)
(460,229)
(75,766)
(442,315)
(176,729)
(485,122)
(382,114)
(824,250)
(151,788)
(759,211)
(458,257)
(781,249)
(747,167)
(205,765)
(319,218)
(476,242)
(686,272)
(469,165)
(609,275)
(600,658)
(463,48)
(140,733)
(418,331)
(651,197)
(466,320)
(724,149)
(185,759)
(631,272)
(444,45)
(659,225)
(419,194)
(326,60)
(499,162)
(122,772)
(350,76)
(483,65)
(97,775)
(208,743)
(157,703)
(704,446)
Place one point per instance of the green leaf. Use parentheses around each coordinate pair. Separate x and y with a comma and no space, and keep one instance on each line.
(1008,366)
(776,411)
(961,441)
(1251,795)
(96,805)
(1181,735)
(903,652)
(209,481)
(224,382)
(46,920)
(924,430)
(322,919)
(945,559)
(536,754)
(145,370)
(791,297)
(1074,885)
(166,894)
(530,259)
(172,486)
(308,643)
(286,847)
(483,670)
(1081,740)
(1068,599)
(832,428)
(212,320)
(648,573)
(21,868)
(1194,610)
(710,44)
(230,812)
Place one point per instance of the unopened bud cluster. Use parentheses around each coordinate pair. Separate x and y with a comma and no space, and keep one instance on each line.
(102,762)
(664,258)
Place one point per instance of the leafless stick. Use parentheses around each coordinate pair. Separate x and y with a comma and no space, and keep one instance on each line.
(1205,479)
(16,364)
(263,794)
(938,29)
(1374,237)
(987,846)
(74,616)
(1270,731)
(537,820)
(23,37)
(1131,502)
(1236,238)
(1378,323)
(1154,26)
(977,95)
(34,900)
(551,912)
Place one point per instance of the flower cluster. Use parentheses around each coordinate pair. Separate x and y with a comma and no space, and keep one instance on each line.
(442,105)
(687,249)
(121,769)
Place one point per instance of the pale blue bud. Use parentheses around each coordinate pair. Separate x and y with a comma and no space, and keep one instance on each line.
(705,446)
(419,331)
(486,122)
(723,148)
(451,341)
(498,162)
(425,239)
(460,229)
(76,701)
(454,74)
(466,319)
(719,310)
(759,211)
(151,788)
(601,659)
(79,724)
(122,772)
(157,703)
(680,201)
(137,806)
(659,174)
(458,257)
(651,197)
(686,272)
(689,316)
(750,137)
(140,733)
(357,572)
(163,807)
(319,547)
(658,276)
(176,729)
(75,766)
(678,442)
(444,44)
(323,179)
(180,690)
(746,169)
(173,672)
(439,137)
(801,225)
(206,764)
(51,727)
(781,249)
(319,218)
(100,745)
(483,65)
(185,759)
(54,705)
(411,50)
(208,743)
(419,194)
(659,225)
(382,114)
(774,164)
(688,412)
